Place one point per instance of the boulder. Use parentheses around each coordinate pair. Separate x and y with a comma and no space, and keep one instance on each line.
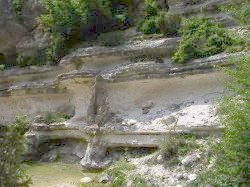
(86,180)
(104,179)
(189,160)
(192,177)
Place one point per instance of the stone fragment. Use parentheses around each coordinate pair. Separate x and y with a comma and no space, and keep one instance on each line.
(192,177)
(38,119)
(179,176)
(170,120)
(174,107)
(148,105)
(104,179)
(159,159)
(86,180)
(189,160)
(131,122)
(145,111)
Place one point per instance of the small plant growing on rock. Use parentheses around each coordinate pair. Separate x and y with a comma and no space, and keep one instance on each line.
(174,145)
(2,66)
(117,173)
(200,37)
(51,117)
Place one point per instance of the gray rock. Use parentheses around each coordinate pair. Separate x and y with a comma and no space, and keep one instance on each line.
(86,180)
(179,176)
(131,122)
(170,120)
(38,119)
(189,160)
(148,105)
(159,159)
(145,111)
(104,179)
(174,107)
(192,177)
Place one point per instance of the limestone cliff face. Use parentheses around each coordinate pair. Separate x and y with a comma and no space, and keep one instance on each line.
(120,96)
(114,100)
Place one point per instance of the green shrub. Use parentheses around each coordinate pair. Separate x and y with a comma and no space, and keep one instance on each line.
(173,146)
(65,20)
(52,117)
(149,26)
(2,66)
(232,165)
(168,24)
(158,21)
(138,181)
(200,37)
(117,173)
(11,149)
(112,39)
(17,7)
(239,10)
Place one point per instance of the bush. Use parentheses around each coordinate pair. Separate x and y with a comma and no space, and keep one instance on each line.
(65,20)
(232,165)
(173,146)
(200,37)
(148,25)
(11,149)
(2,66)
(168,24)
(17,7)
(51,117)
(117,173)
(112,39)
(239,10)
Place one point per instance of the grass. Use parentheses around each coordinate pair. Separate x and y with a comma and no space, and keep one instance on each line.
(175,145)
(46,174)
(51,117)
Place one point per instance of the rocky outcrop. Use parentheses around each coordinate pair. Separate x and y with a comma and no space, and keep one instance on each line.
(118,98)
(15,26)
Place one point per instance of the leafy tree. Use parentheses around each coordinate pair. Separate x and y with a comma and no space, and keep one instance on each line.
(11,149)
(200,37)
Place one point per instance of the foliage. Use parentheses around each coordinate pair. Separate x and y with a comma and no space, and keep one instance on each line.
(2,66)
(148,25)
(11,149)
(231,167)
(66,19)
(156,20)
(138,181)
(17,7)
(168,24)
(51,117)
(38,58)
(200,37)
(117,173)
(175,145)
(239,9)
(241,42)
(112,39)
